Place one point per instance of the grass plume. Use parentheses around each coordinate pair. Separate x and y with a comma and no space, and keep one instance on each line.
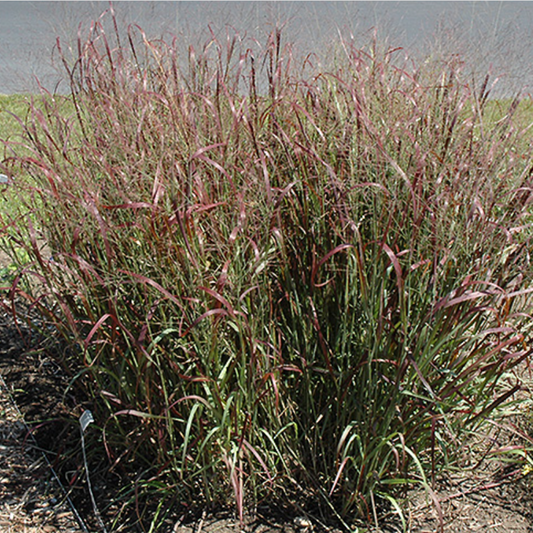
(276,277)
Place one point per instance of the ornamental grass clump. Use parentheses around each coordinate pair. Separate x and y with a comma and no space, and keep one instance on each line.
(279,281)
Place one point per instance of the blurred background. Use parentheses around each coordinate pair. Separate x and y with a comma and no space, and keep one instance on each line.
(493,36)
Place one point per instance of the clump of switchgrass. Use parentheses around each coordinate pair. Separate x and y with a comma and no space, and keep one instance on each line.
(312,282)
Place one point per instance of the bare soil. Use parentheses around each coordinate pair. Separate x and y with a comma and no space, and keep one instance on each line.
(36,415)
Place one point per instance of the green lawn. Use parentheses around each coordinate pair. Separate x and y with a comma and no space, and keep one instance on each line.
(13,109)
(10,127)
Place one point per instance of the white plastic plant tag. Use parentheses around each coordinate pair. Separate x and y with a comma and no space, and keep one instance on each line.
(85,419)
